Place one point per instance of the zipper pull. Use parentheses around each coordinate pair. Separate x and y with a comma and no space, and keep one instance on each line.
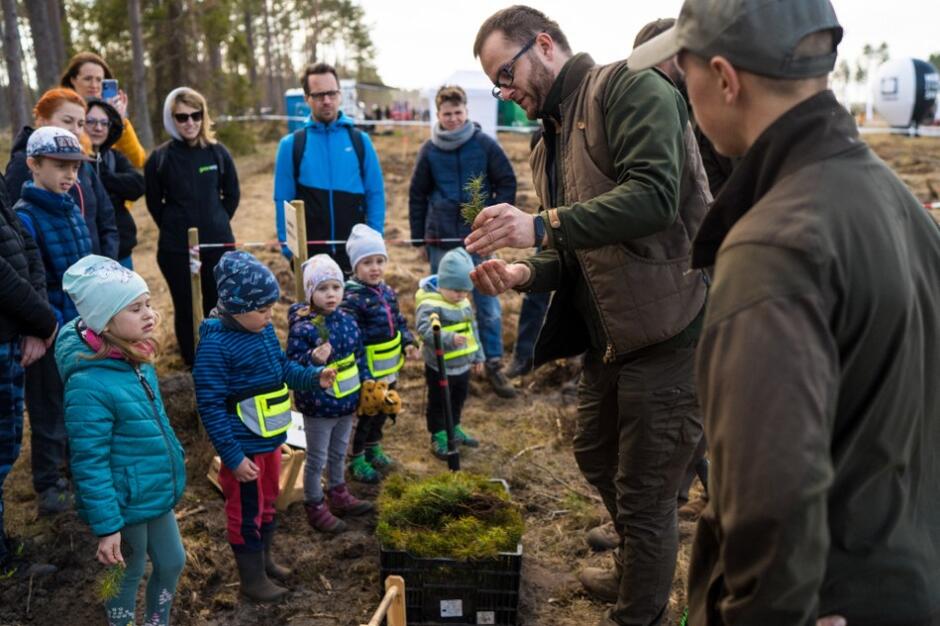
(146,385)
(610,356)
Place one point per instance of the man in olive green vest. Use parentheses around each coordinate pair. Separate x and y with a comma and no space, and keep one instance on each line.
(620,178)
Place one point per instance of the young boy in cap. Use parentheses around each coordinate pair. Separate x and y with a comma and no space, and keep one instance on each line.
(321,334)
(55,222)
(27,329)
(446,293)
(242,378)
(374,306)
(819,358)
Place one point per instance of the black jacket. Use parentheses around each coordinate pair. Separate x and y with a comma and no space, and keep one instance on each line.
(123,182)
(89,194)
(191,187)
(23,306)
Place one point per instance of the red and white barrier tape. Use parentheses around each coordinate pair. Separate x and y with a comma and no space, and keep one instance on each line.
(315,242)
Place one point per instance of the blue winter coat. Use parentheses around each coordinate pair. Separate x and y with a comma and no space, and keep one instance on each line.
(344,338)
(127,464)
(438,186)
(376,312)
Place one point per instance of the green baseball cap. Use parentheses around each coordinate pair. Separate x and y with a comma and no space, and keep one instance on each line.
(758,36)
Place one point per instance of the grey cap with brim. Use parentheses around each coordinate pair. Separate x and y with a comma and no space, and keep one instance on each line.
(758,36)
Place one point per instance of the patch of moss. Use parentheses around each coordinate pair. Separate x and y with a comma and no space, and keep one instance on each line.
(454,515)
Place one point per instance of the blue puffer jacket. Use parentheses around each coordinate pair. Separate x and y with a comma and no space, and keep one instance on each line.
(344,340)
(438,186)
(376,311)
(127,463)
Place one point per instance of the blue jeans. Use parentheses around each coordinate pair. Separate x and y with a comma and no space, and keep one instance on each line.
(127,262)
(531,317)
(11,418)
(488,312)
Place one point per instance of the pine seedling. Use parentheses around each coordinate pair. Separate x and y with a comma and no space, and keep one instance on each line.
(469,210)
(322,331)
(109,584)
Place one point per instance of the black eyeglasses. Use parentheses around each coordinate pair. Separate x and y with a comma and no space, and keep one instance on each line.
(91,121)
(195,116)
(323,95)
(506,70)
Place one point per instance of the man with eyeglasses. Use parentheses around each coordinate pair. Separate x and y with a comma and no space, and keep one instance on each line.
(623,190)
(332,167)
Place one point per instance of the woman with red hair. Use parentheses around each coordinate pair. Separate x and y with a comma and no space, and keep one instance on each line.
(66,109)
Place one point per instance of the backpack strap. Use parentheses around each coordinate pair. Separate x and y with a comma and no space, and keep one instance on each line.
(300,143)
(355,138)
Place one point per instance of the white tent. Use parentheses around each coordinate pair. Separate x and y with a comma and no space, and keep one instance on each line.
(481,105)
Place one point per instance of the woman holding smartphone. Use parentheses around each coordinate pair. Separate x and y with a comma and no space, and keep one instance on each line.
(190,182)
(88,74)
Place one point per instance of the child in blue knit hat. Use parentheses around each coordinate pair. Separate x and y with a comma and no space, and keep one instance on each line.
(242,378)
(447,294)
(126,461)
(387,340)
(322,334)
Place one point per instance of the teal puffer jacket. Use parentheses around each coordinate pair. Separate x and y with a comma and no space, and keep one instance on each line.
(127,464)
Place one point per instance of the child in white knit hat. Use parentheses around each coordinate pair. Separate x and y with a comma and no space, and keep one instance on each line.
(387,340)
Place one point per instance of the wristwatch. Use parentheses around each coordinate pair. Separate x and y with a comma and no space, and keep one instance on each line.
(539,225)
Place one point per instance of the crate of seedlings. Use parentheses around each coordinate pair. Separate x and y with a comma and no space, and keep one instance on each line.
(456,540)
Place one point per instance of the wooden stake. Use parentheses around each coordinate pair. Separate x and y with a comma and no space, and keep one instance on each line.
(301,249)
(393,604)
(195,282)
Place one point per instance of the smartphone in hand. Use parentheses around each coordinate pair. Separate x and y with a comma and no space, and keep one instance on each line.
(109,89)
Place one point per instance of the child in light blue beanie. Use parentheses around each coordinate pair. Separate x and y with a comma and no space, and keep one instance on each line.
(447,294)
(118,429)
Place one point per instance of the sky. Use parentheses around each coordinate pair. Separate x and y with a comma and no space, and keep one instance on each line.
(421,42)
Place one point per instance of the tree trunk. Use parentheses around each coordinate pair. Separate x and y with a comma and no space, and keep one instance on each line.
(138,92)
(54,13)
(19,111)
(43,47)
(252,63)
(273,99)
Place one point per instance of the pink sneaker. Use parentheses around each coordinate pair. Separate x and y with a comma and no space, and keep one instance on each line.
(321,519)
(344,503)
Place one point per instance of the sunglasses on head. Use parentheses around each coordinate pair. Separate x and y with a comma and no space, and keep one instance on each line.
(195,116)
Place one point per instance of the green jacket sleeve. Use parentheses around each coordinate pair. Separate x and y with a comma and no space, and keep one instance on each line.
(546,272)
(645,120)
(89,422)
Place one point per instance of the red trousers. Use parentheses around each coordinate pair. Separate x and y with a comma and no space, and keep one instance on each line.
(249,506)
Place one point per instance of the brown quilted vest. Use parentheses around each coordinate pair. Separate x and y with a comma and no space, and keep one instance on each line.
(643,289)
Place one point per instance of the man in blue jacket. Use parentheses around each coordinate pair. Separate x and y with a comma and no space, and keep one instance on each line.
(332,167)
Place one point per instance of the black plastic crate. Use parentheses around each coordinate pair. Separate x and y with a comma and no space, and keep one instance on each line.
(442,591)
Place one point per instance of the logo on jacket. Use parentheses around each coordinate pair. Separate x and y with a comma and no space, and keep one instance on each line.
(208,168)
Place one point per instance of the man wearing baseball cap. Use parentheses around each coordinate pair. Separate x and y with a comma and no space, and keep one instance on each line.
(819,362)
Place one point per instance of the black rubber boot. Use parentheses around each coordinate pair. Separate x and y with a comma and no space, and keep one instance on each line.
(255,584)
(271,568)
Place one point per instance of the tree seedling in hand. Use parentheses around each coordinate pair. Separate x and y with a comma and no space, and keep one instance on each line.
(470,209)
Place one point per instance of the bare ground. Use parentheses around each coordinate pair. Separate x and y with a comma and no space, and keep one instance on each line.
(336,580)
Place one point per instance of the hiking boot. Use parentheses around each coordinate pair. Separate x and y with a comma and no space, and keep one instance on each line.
(498,381)
(464,439)
(361,471)
(439,444)
(602,583)
(376,457)
(56,499)
(271,567)
(322,519)
(343,503)
(604,537)
(254,583)
(16,565)
(520,367)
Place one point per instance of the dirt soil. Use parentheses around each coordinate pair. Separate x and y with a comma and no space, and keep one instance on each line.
(336,580)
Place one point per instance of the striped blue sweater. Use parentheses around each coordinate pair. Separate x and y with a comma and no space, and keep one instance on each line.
(230,363)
